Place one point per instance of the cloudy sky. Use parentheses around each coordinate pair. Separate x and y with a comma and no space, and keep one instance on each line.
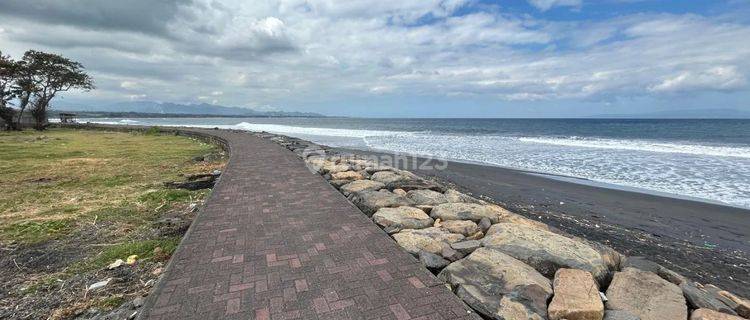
(400,58)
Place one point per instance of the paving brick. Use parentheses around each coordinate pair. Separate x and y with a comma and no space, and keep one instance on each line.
(275,241)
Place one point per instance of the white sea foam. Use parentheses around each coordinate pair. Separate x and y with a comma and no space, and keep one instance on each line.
(712,172)
(642,145)
(329,132)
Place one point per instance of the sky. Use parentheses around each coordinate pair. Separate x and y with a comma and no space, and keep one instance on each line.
(427,58)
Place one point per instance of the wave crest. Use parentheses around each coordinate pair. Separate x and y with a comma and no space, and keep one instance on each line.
(642,145)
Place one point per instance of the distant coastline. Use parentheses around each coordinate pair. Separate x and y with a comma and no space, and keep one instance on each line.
(107,114)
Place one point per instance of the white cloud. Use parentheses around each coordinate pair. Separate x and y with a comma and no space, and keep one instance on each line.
(317,51)
(719,78)
(545,5)
(128,84)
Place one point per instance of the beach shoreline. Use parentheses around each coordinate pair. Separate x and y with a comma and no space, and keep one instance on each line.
(672,231)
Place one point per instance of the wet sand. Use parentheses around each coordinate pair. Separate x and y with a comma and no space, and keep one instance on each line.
(709,243)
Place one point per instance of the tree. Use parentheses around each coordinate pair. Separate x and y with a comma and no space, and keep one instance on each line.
(8,69)
(42,75)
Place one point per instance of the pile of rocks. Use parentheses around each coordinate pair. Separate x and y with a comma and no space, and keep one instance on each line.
(506,266)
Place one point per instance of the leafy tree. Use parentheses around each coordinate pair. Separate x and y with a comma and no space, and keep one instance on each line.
(8,69)
(42,75)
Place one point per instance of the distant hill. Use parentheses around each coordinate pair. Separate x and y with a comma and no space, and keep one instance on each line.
(166,109)
(684,114)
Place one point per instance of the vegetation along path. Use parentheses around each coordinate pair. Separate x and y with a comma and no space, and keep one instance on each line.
(275,240)
(74,201)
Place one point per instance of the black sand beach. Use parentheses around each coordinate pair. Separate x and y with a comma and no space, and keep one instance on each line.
(706,242)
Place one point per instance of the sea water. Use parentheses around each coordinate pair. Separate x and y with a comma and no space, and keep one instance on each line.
(704,159)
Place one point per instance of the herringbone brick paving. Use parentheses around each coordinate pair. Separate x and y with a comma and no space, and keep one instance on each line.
(275,241)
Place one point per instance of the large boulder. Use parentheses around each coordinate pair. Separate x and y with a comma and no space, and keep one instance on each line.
(432,261)
(467,246)
(544,250)
(464,227)
(576,296)
(498,286)
(707,314)
(699,298)
(397,219)
(371,201)
(431,239)
(468,211)
(332,167)
(455,196)
(346,175)
(646,295)
(361,185)
(426,197)
(741,306)
(387,176)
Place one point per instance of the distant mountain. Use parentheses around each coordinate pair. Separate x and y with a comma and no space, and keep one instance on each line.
(684,114)
(166,108)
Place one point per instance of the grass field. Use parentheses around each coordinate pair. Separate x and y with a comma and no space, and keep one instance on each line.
(72,202)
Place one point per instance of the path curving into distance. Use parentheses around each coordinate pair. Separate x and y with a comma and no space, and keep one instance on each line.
(275,241)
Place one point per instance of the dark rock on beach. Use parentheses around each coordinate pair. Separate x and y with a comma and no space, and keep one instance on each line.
(499,286)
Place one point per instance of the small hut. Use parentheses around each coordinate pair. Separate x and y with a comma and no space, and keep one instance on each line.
(67,117)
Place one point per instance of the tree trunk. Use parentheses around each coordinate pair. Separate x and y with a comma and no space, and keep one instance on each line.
(24,101)
(39,112)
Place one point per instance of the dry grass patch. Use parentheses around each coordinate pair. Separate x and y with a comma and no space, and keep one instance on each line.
(73,201)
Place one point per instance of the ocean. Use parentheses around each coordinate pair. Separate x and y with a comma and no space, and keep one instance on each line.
(706,160)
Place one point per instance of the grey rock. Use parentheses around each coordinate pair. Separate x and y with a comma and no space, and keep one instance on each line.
(402,218)
(544,250)
(370,201)
(339,183)
(332,167)
(466,247)
(671,276)
(387,177)
(430,239)
(455,196)
(360,186)
(498,286)
(619,315)
(451,254)
(425,197)
(699,298)
(485,224)
(432,261)
(646,295)
(464,227)
(138,302)
(576,296)
(716,293)
(468,211)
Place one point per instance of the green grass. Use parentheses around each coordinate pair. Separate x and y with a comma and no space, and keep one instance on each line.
(144,249)
(91,197)
(34,232)
(52,181)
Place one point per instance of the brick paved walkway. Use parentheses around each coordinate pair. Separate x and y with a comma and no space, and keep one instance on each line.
(275,241)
